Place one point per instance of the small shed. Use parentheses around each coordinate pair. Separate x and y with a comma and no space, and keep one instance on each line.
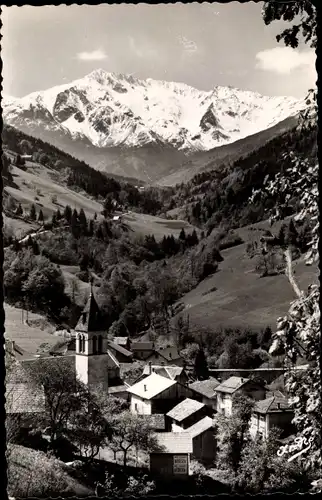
(142,350)
(172,459)
(185,414)
(204,444)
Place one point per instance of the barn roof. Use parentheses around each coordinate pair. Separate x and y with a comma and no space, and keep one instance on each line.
(117,388)
(273,404)
(166,371)
(169,353)
(205,387)
(199,427)
(174,442)
(232,384)
(119,348)
(151,386)
(184,409)
(142,346)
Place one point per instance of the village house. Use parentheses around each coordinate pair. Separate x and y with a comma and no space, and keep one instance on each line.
(121,354)
(274,411)
(173,457)
(237,385)
(173,372)
(119,391)
(142,350)
(157,394)
(166,356)
(206,388)
(185,414)
(204,444)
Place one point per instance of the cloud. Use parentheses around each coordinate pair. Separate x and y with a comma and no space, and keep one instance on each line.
(95,55)
(189,45)
(284,60)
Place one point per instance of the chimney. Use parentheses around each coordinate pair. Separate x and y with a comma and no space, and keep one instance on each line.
(278,406)
(145,388)
(150,367)
(242,380)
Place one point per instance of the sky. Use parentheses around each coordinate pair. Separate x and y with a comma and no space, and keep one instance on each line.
(203,45)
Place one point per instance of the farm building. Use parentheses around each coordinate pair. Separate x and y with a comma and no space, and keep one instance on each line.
(274,411)
(157,394)
(237,385)
(173,457)
(185,414)
(206,388)
(142,350)
(204,445)
(168,355)
(121,354)
(119,391)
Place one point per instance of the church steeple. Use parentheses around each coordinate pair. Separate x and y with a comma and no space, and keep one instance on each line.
(89,320)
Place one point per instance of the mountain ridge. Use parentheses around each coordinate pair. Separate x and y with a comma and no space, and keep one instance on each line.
(122,125)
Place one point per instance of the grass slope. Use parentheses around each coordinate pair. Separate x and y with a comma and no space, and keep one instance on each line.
(33,474)
(30,337)
(241,298)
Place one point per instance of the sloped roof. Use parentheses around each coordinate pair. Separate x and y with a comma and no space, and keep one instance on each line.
(231,385)
(166,371)
(142,346)
(199,427)
(205,387)
(112,361)
(89,318)
(184,409)
(24,398)
(276,393)
(168,353)
(119,348)
(273,404)
(117,388)
(151,386)
(175,442)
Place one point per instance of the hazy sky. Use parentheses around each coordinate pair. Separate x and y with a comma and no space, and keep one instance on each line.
(200,44)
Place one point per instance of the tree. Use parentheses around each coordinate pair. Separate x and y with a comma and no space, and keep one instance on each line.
(131,431)
(232,431)
(33,213)
(11,204)
(182,235)
(82,221)
(289,11)
(40,216)
(74,224)
(201,366)
(68,214)
(298,333)
(19,210)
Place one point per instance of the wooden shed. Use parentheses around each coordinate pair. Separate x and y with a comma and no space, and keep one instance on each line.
(173,456)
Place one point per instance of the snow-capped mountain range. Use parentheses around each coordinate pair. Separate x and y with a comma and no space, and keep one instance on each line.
(109,110)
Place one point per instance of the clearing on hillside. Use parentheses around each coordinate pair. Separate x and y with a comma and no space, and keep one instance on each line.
(236,296)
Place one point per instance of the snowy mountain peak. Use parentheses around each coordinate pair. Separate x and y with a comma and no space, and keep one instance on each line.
(108,109)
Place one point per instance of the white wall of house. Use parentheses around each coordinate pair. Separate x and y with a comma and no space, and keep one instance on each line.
(224,403)
(258,424)
(140,406)
(176,428)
